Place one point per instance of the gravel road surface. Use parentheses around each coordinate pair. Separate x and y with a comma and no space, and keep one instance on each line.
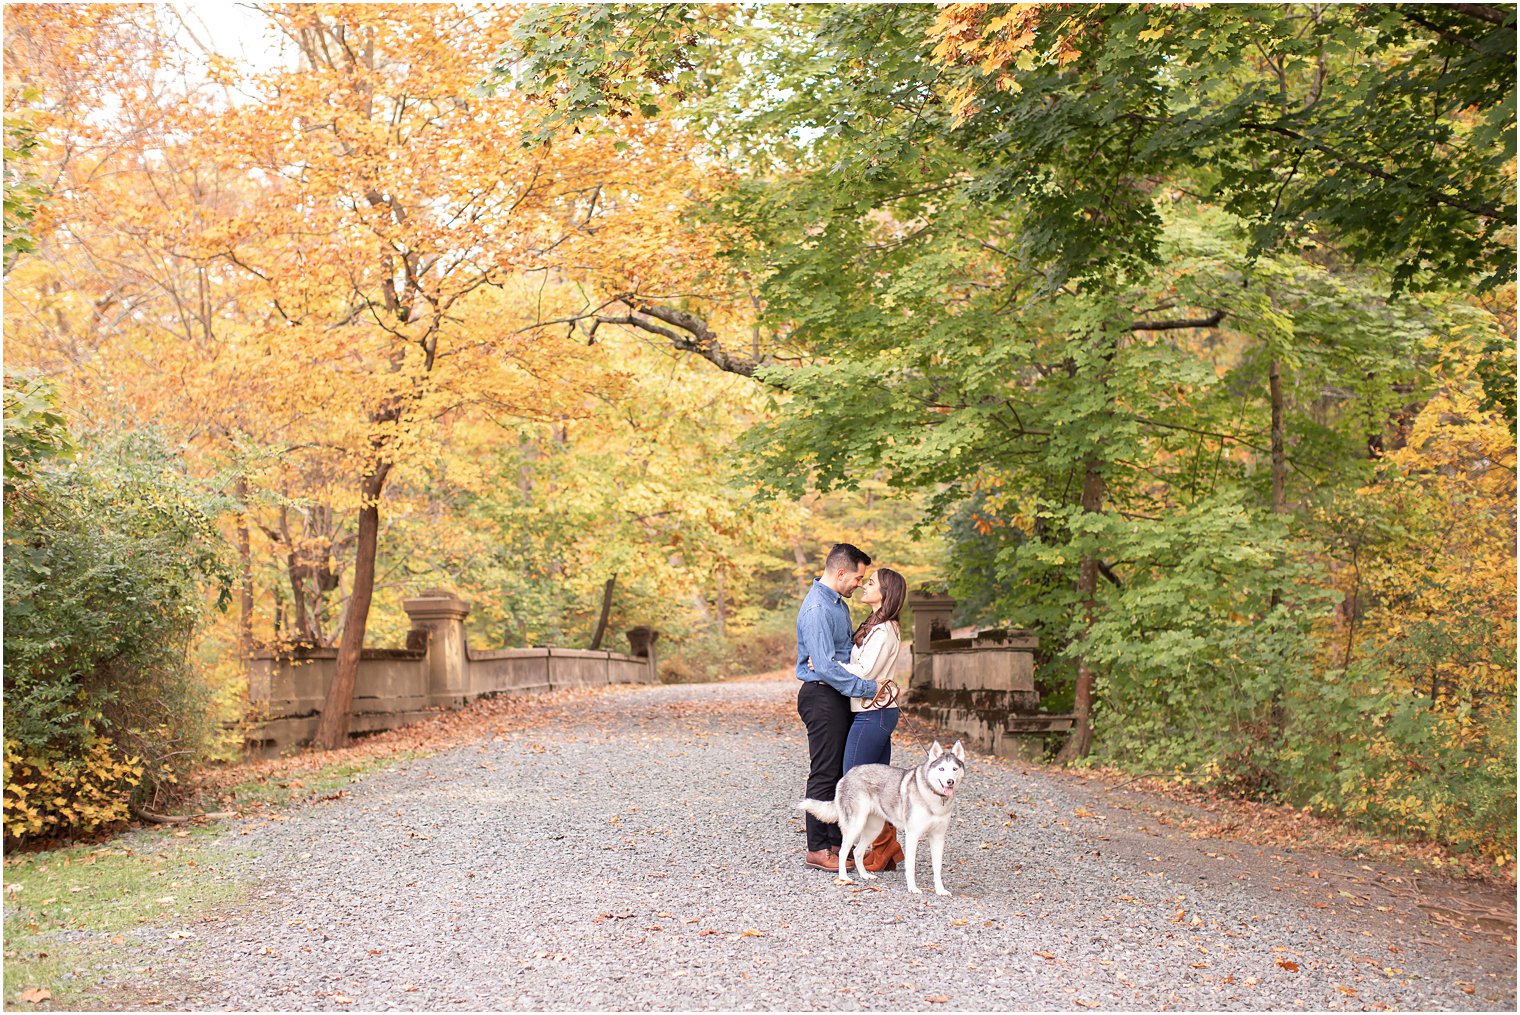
(637,850)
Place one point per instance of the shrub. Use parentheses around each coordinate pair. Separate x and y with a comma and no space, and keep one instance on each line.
(107,561)
(46,794)
(1395,762)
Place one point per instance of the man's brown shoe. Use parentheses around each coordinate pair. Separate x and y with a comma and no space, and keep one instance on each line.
(823,859)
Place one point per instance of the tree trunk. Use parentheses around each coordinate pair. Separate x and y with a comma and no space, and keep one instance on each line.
(1079,743)
(1279,456)
(332,728)
(298,608)
(1277,710)
(722,608)
(245,573)
(802,563)
(601,624)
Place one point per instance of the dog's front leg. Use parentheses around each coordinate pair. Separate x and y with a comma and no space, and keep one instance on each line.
(937,856)
(911,836)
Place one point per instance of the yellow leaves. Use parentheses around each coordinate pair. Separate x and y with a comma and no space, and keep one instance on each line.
(48,795)
(1011,40)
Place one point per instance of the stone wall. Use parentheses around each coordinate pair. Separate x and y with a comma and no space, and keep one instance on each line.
(980,689)
(437,670)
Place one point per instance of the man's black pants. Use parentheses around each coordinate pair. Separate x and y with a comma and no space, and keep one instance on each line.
(826,714)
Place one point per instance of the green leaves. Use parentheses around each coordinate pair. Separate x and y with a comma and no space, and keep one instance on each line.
(35,431)
(24,190)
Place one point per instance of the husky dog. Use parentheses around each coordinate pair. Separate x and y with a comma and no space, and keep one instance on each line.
(920,801)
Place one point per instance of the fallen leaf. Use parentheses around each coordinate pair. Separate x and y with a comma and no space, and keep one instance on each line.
(36,995)
(1045,955)
(1288,964)
(342,999)
(937,999)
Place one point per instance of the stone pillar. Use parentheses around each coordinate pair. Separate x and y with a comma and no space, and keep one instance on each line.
(931,622)
(439,615)
(641,643)
(931,619)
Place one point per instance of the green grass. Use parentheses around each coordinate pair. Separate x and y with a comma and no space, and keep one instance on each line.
(164,877)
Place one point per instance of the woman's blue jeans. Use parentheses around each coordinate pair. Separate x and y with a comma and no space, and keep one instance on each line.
(870,739)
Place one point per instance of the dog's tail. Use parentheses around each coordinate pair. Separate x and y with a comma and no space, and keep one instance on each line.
(823,810)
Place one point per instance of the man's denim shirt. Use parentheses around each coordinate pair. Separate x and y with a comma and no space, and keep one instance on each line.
(824,636)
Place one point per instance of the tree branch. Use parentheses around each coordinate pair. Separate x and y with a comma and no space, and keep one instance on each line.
(698,337)
(1486,211)
(1212,321)
(1485,12)
(1460,40)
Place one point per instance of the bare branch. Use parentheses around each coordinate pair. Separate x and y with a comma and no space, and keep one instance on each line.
(1212,321)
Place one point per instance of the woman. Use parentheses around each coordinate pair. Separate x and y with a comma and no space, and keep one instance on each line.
(878,640)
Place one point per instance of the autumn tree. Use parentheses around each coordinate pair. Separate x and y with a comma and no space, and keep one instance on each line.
(1079,270)
(310,282)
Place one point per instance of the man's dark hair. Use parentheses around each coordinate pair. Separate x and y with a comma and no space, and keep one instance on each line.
(846,555)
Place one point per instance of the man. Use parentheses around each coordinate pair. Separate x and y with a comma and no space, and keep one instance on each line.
(824,638)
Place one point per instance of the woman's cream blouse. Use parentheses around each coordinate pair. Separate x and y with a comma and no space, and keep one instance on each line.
(876,659)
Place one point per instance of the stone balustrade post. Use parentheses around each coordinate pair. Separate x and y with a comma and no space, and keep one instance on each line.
(931,622)
(439,615)
(641,643)
(931,618)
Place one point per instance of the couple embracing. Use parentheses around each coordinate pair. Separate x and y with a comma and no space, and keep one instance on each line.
(849,694)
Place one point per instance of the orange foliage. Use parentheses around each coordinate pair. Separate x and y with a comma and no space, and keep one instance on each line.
(305,271)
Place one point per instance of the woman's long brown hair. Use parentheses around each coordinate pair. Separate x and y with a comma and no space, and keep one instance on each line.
(894,589)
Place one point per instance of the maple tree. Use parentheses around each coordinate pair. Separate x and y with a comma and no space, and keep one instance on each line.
(1076,272)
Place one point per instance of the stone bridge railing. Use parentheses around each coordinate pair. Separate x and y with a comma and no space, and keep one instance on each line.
(979,688)
(437,670)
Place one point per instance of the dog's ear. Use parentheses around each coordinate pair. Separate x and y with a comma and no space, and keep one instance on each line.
(935,750)
(958,751)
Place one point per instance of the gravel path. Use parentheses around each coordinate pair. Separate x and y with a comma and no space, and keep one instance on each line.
(640,852)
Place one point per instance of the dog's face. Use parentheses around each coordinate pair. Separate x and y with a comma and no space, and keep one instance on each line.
(945,770)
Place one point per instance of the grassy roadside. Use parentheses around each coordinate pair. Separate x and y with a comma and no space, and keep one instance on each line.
(76,914)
